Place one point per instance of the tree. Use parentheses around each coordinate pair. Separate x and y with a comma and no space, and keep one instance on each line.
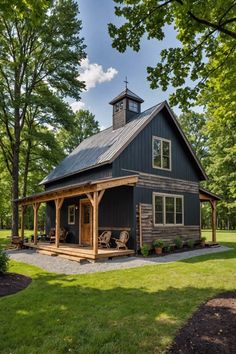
(194,127)
(84,125)
(204,29)
(220,99)
(40,53)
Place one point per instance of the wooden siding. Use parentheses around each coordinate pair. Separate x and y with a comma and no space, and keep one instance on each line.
(166,233)
(165,183)
(138,154)
(96,173)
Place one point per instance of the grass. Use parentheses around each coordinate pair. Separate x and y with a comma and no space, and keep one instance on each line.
(5,237)
(121,312)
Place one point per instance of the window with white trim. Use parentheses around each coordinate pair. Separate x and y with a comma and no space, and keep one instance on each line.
(161,153)
(168,209)
(133,106)
(71,214)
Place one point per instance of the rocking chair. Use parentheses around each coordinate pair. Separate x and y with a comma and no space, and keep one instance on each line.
(104,239)
(122,240)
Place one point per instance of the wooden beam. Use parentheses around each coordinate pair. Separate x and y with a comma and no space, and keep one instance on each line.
(213,220)
(95,223)
(100,195)
(36,208)
(80,190)
(140,225)
(90,197)
(23,209)
(121,181)
(58,205)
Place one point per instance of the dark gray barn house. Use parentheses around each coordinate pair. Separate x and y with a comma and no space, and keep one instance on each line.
(140,175)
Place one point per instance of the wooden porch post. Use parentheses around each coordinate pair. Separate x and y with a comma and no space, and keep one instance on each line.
(23,208)
(213,219)
(58,205)
(200,219)
(36,208)
(140,225)
(95,223)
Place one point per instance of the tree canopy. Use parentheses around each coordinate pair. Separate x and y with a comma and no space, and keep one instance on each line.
(205,30)
(40,54)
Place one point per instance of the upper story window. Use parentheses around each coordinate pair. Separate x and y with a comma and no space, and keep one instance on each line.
(71,214)
(133,106)
(161,153)
(168,209)
(118,106)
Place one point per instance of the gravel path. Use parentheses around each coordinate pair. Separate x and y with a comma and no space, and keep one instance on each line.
(64,266)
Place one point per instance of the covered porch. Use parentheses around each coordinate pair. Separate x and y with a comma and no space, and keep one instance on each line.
(93,192)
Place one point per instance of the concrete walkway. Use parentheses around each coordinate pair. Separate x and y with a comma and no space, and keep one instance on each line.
(63,266)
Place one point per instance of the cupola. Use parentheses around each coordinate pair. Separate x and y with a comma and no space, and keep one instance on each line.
(126,107)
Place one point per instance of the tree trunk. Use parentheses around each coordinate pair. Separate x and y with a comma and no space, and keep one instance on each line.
(26,169)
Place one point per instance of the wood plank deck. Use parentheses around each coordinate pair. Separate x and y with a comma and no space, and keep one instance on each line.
(74,250)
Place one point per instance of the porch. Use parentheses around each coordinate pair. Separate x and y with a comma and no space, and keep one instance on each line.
(92,193)
(78,253)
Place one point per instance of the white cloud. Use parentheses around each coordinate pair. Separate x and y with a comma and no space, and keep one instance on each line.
(93,73)
(77,106)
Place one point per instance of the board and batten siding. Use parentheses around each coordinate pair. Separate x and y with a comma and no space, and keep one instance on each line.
(138,154)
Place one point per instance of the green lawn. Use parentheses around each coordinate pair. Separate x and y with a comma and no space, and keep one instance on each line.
(5,237)
(127,311)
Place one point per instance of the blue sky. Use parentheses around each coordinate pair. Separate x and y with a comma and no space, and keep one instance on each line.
(105,68)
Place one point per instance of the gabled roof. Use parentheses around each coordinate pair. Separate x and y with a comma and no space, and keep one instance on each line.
(129,94)
(103,148)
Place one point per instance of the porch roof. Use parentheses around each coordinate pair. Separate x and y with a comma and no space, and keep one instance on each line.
(78,189)
(205,195)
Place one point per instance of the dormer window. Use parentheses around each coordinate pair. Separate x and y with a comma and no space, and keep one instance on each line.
(119,106)
(133,106)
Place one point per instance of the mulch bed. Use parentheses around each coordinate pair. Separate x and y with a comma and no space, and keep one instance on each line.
(11,283)
(211,329)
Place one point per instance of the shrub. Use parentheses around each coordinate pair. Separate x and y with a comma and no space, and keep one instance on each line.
(190,243)
(178,243)
(167,248)
(203,239)
(145,250)
(158,244)
(4,259)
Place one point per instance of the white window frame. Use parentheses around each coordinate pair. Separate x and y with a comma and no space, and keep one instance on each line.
(161,140)
(70,207)
(164,195)
(130,108)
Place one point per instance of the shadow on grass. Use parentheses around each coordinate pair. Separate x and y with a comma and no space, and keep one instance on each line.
(229,254)
(57,314)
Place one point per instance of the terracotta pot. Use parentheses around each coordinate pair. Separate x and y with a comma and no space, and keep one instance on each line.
(158,250)
(203,243)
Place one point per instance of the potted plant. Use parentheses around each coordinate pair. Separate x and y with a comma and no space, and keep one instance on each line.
(203,241)
(158,245)
(145,250)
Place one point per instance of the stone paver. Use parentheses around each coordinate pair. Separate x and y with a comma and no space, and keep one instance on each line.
(64,266)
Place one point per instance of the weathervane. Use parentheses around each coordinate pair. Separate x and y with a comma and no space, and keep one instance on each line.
(126,82)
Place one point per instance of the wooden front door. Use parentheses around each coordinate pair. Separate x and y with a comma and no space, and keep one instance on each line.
(85,222)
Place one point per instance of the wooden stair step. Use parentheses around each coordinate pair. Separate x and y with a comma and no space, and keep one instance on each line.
(72,258)
(47,253)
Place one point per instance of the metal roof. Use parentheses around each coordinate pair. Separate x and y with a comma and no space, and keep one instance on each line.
(127,93)
(101,148)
